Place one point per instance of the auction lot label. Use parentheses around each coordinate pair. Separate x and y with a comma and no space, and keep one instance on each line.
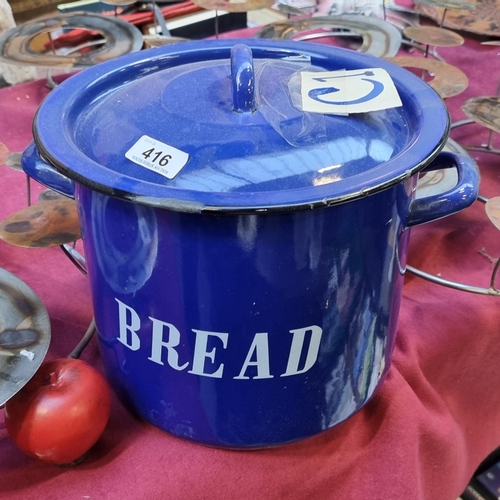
(344,92)
(157,156)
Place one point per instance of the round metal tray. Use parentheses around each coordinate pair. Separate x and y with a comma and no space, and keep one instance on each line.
(24,334)
(441,186)
(17,46)
(379,38)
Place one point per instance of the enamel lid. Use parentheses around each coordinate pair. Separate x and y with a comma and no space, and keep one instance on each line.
(218,125)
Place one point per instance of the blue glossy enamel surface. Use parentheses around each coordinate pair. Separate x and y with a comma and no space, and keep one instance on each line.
(45,173)
(258,313)
(242,79)
(239,291)
(276,156)
(253,330)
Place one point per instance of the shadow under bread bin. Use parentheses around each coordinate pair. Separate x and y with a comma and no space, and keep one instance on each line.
(245,258)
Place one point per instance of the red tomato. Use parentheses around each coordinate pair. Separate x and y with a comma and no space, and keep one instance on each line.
(60,413)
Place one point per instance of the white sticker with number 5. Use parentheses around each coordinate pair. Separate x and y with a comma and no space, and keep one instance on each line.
(155,155)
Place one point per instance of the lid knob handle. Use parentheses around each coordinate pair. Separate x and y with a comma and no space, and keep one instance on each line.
(243,79)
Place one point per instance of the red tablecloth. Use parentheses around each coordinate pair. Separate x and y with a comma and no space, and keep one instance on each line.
(435,418)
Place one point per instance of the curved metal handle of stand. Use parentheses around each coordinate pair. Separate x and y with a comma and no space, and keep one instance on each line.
(492,291)
(87,337)
(75,257)
(459,286)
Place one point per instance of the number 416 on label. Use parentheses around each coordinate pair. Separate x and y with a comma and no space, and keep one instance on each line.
(157,156)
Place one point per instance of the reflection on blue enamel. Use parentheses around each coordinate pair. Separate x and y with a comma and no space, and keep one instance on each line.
(247,231)
(182,96)
(244,278)
(380,150)
(288,169)
(222,158)
(127,262)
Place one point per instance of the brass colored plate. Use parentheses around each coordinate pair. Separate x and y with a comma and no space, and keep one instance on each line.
(380,38)
(159,40)
(492,208)
(121,3)
(14,161)
(450,4)
(27,44)
(49,195)
(439,181)
(234,5)
(24,334)
(290,9)
(484,110)
(431,35)
(4,153)
(483,20)
(436,182)
(45,224)
(455,147)
(448,80)
(401,18)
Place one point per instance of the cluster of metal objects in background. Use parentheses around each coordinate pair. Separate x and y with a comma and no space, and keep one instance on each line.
(76,41)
